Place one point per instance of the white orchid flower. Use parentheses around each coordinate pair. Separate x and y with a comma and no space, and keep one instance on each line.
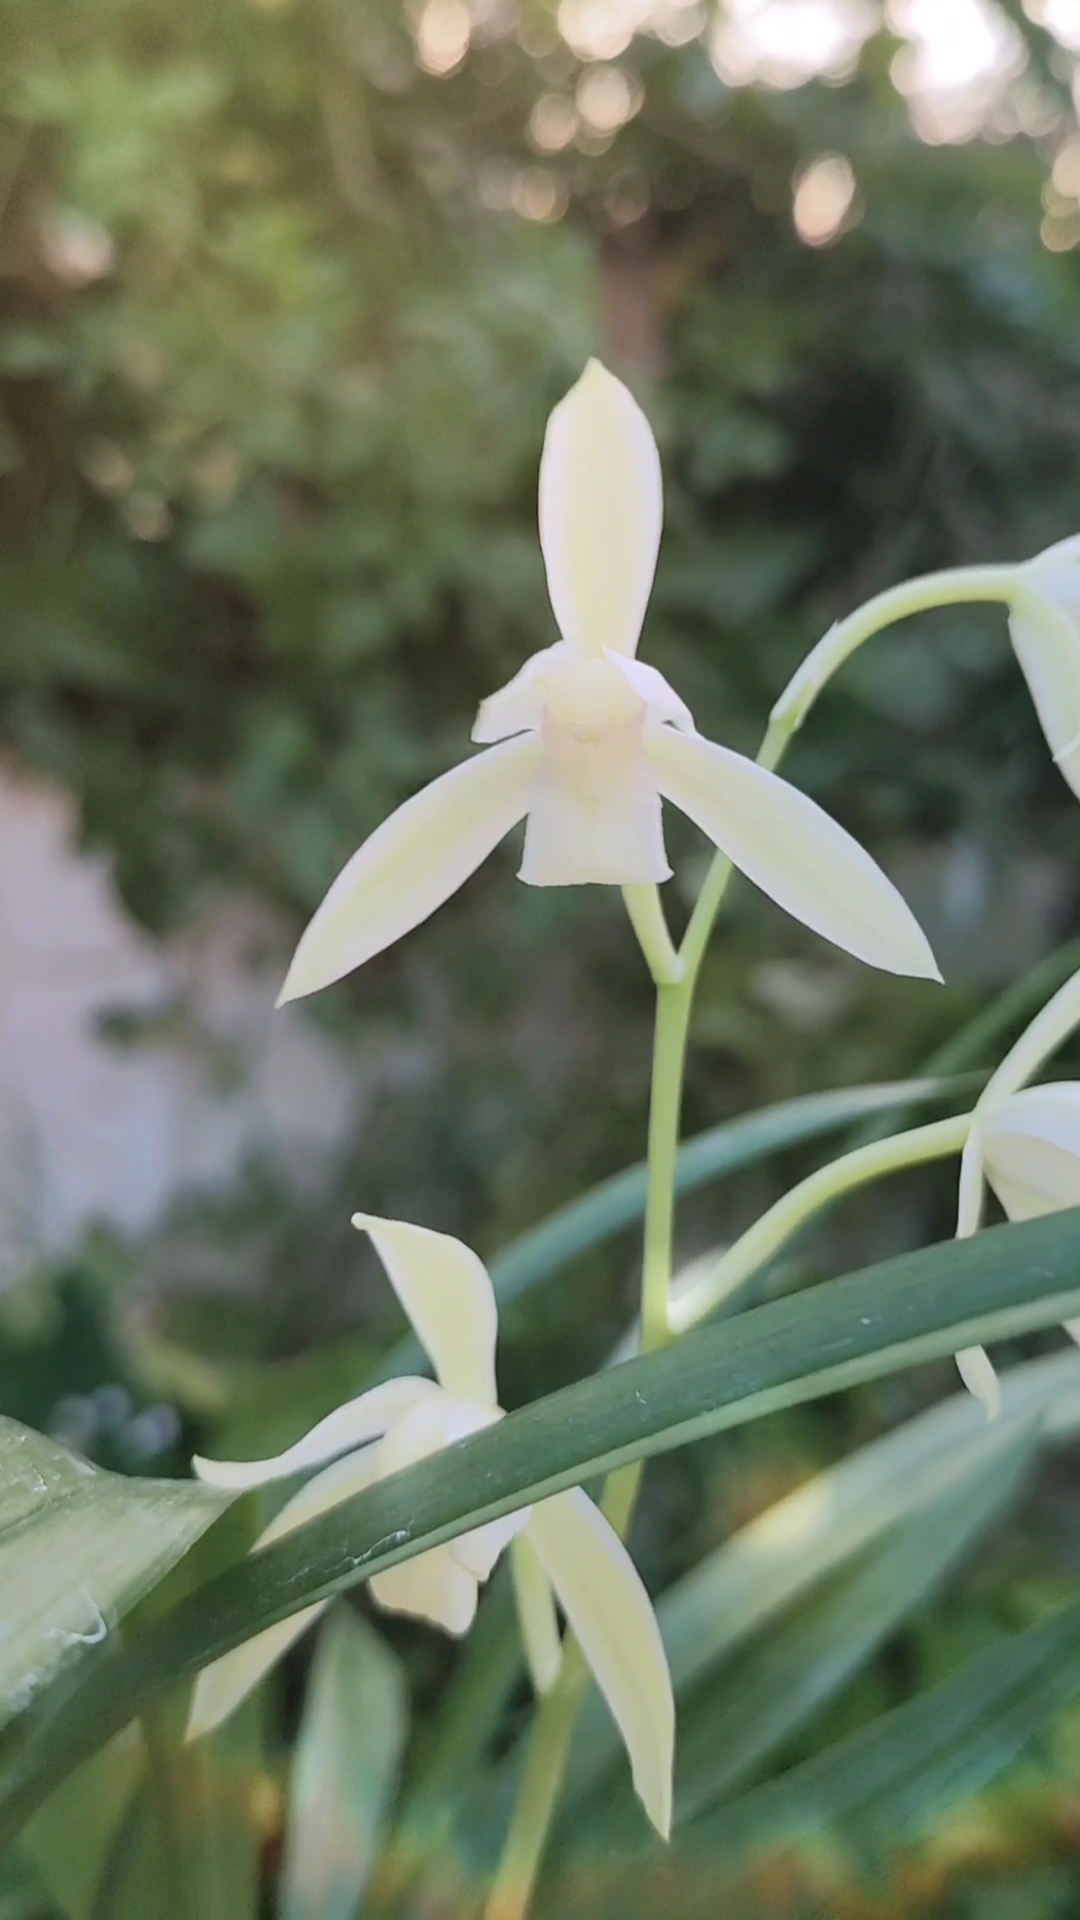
(586,740)
(447,1294)
(1044,622)
(1027,1148)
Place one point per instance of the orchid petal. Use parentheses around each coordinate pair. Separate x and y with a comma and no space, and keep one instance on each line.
(427,1429)
(977,1373)
(413,862)
(432,1587)
(1032,1149)
(792,850)
(445,1289)
(478,1550)
(536,1615)
(601,506)
(365,1418)
(439,1586)
(1043,623)
(519,706)
(351,1474)
(600,1591)
(221,1687)
(650,686)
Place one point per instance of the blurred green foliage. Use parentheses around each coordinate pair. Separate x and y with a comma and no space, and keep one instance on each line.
(281,318)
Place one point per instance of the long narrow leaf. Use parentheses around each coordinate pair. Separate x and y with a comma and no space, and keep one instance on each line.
(344,1771)
(921,1306)
(812,1532)
(751,1707)
(899,1774)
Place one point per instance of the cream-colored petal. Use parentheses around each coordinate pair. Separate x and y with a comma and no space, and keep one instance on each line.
(478,1551)
(537,1618)
(433,1587)
(445,1290)
(601,1594)
(1044,622)
(412,863)
(601,507)
(653,690)
(1031,1150)
(977,1373)
(792,850)
(351,1474)
(365,1418)
(424,1431)
(1063,556)
(221,1687)
(595,817)
(519,706)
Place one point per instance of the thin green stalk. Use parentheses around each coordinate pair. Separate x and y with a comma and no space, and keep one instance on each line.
(654,939)
(166,1772)
(954,587)
(1047,1032)
(549,1742)
(764,1239)
(669,1054)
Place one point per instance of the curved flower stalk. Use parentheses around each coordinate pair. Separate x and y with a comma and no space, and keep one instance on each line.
(1042,597)
(586,741)
(1026,1146)
(447,1294)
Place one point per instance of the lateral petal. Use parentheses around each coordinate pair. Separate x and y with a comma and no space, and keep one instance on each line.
(1031,1149)
(433,1587)
(1043,623)
(601,507)
(221,1687)
(413,862)
(519,706)
(601,1594)
(792,850)
(976,1370)
(445,1290)
(365,1418)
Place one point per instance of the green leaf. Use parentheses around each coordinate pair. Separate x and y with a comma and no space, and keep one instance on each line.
(921,1306)
(753,1706)
(809,1535)
(138,1882)
(345,1770)
(78,1547)
(564,1236)
(70,1839)
(896,1776)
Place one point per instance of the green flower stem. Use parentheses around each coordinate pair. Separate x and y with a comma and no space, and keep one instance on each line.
(669,1054)
(545,1764)
(952,588)
(1047,1032)
(553,1728)
(648,922)
(765,1238)
(168,1786)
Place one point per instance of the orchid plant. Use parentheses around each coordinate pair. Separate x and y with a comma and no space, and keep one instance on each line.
(584,745)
